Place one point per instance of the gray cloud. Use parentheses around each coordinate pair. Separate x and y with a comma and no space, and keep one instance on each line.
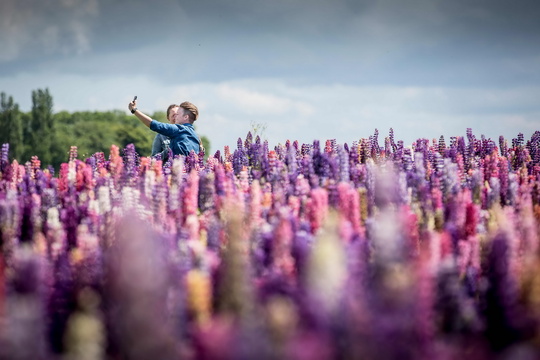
(423,67)
(420,42)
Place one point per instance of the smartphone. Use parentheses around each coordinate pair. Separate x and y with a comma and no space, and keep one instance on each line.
(135,98)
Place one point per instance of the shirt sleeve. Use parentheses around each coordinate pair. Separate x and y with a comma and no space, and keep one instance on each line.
(165,129)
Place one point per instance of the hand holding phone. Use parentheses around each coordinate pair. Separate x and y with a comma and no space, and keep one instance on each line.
(135,98)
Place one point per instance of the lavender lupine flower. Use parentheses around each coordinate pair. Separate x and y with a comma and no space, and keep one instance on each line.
(387,148)
(23,332)
(494,192)
(136,294)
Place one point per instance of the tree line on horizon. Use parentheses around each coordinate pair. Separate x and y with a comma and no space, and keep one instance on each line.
(48,135)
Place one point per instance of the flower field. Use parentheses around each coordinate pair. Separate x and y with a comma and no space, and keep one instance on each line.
(303,251)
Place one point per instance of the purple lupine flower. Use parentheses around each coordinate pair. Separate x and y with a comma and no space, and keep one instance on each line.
(192,162)
(343,161)
(456,311)
(240,159)
(249,140)
(4,158)
(534,149)
(218,156)
(450,180)
(494,194)
(507,322)
(503,179)
(374,143)
(62,301)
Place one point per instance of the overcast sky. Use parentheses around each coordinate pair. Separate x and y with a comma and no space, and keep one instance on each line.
(306,70)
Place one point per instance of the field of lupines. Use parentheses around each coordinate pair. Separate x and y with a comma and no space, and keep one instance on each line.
(305,251)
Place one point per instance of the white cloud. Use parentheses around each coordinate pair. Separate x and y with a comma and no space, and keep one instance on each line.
(257,103)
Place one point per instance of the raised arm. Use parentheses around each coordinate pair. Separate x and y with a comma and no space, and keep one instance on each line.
(145,119)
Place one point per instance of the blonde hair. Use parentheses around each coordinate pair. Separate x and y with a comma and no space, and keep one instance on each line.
(190,110)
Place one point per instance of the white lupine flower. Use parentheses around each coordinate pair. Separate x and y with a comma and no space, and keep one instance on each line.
(149,183)
(72,173)
(327,268)
(53,218)
(104,200)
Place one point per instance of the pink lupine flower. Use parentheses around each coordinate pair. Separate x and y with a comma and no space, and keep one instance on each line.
(35,166)
(84,177)
(72,153)
(2,285)
(527,226)
(317,208)
(116,164)
(17,174)
(255,206)
(190,195)
(243,180)
(293,204)
(464,256)
(282,260)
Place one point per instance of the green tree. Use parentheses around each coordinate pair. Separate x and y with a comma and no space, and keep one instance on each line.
(41,131)
(206,144)
(10,123)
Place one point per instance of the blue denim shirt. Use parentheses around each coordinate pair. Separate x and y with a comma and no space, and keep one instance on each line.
(161,145)
(183,136)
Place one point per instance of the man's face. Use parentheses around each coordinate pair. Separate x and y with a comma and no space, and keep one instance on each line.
(172,114)
(181,118)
